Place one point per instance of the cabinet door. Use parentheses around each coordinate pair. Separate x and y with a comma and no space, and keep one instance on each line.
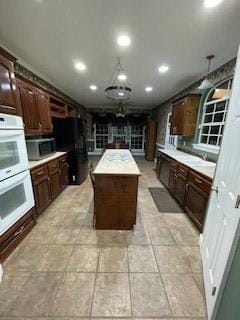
(64,175)
(171,181)
(180,185)
(9,94)
(56,184)
(196,204)
(30,109)
(158,166)
(44,113)
(42,192)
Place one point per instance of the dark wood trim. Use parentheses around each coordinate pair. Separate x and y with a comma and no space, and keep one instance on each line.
(7,55)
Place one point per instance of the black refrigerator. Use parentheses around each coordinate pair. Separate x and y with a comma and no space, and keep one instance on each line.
(70,137)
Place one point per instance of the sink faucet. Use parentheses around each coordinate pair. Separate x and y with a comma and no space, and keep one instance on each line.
(204,156)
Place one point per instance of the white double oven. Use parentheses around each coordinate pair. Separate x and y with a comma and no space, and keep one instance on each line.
(16,194)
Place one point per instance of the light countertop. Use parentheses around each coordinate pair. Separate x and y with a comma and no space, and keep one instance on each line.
(117,161)
(34,163)
(205,167)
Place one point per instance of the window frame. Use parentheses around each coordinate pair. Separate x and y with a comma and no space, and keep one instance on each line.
(212,148)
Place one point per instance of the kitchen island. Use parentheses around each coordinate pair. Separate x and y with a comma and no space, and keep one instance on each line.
(116,188)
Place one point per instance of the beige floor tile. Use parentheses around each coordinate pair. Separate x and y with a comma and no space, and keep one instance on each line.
(36,296)
(83,259)
(112,295)
(67,235)
(198,277)
(113,259)
(141,259)
(42,234)
(55,258)
(193,256)
(160,235)
(25,258)
(11,285)
(171,259)
(138,237)
(87,236)
(184,296)
(74,296)
(148,296)
(112,237)
(184,235)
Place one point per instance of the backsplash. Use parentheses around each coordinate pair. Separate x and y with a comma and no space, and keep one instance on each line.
(161,112)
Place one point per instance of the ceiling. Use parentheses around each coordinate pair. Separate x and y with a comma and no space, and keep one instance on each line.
(50,35)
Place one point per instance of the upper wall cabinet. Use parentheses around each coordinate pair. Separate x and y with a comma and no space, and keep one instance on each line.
(184,115)
(9,94)
(36,109)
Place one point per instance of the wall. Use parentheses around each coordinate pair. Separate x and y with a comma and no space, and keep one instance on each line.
(161,112)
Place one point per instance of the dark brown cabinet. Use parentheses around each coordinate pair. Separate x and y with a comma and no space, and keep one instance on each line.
(16,233)
(190,188)
(36,110)
(48,181)
(42,188)
(184,115)
(9,93)
(30,109)
(44,112)
(196,202)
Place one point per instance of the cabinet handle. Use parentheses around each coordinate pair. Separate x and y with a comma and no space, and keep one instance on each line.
(198,181)
(19,231)
(187,185)
(39,125)
(6,107)
(182,170)
(40,173)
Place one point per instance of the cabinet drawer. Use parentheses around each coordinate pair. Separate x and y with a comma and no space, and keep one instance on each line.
(173,165)
(39,173)
(182,170)
(53,167)
(62,161)
(199,181)
(13,236)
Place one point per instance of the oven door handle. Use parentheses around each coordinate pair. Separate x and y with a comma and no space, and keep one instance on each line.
(10,183)
(11,133)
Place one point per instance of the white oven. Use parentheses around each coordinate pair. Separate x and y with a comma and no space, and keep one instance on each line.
(16,199)
(16,194)
(13,154)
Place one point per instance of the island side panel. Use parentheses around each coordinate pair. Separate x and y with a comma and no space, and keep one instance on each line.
(116,201)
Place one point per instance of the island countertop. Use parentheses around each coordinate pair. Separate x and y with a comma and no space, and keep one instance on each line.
(117,162)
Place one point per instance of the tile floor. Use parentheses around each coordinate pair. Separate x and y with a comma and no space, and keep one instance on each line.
(66,270)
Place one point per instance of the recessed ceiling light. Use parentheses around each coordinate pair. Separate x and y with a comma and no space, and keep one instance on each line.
(148,89)
(212,3)
(124,41)
(80,66)
(93,87)
(121,94)
(122,77)
(163,68)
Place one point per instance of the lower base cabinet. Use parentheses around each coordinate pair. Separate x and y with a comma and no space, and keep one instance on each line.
(14,235)
(48,181)
(190,188)
(195,205)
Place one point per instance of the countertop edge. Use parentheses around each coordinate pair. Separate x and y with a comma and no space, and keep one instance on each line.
(32,164)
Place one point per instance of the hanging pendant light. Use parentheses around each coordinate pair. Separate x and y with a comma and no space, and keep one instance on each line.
(207,83)
(119,89)
(120,111)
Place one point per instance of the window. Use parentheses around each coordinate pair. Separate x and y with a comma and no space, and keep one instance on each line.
(137,138)
(214,115)
(119,133)
(101,136)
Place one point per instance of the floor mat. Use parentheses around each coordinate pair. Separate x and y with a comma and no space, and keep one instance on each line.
(164,201)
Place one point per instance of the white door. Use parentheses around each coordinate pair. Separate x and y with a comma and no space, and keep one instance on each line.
(221,231)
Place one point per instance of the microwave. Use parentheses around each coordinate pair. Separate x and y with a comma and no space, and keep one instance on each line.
(40,148)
